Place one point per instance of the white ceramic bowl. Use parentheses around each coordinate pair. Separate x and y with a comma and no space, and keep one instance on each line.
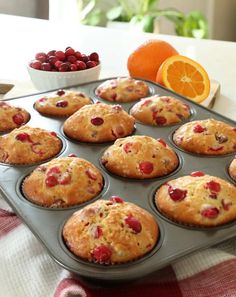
(50,80)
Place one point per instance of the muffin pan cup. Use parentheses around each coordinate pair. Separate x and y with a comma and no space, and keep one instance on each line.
(175,240)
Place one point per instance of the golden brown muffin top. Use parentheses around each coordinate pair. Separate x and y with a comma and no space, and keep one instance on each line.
(99,123)
(140,157)
(232,168)
(27,145)
(122,89)
(12,117)
(111,231)
(160,111)
(63,182)
(208,137)
(198,199)
(62,103)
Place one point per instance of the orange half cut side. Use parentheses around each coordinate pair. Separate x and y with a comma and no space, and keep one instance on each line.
(185,77)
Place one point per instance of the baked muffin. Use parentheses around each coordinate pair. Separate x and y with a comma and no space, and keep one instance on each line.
(27,145)
(198,200)
(122,89)
(207,137)
(62,103)
(99,123)
(140,157)
(111,232)
(63,182)
(232,168)
(12,117)
(160,111)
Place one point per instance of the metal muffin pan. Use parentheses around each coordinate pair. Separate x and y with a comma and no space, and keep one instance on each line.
(175,240)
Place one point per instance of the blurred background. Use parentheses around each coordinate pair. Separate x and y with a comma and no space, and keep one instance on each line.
(212,19)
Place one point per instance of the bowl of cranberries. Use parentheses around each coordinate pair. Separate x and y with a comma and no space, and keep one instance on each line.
(59,69)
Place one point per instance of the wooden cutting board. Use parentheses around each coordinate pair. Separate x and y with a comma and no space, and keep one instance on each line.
(214,93)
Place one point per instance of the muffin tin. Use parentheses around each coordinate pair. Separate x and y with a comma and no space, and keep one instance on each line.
(175,240)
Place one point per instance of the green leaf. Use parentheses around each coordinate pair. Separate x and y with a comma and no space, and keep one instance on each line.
(114,13)
(94,18)
(148,23)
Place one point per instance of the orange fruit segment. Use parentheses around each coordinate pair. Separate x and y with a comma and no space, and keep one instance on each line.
(185,77)
(145,61)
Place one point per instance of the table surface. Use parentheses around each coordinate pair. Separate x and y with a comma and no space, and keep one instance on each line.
(22,37)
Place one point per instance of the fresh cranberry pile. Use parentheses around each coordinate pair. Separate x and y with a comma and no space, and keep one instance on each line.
(69,60)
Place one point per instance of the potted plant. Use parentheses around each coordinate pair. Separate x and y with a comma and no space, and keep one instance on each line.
(143,14)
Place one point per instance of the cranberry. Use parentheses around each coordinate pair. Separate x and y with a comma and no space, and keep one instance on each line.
(51,53)
(42,99)
(213,195)
(62,103)
(81,65)
(42,57)
(64,67)
(146,102)
(94,57)
(51,181)
(162,141)
(177,194)
(4,104)
(60,92)
(213,186)
(69,51)
(216,149)
(18,119)
(36,64)
(78,55)
(72,155)
(127,147)
(198,129)
(113,97)
(118,131)
(23,137)
(73,67)
(210,212)
(35,147)
(84,58)
(160,120)
(56,60)
(134,224)
(60,55)
(97,121)
(71,59)
(197,173)
(91,174)
(46,67)
(102,253)
(226,205)
(41,168)
(53,170)
(165,99)
(90,64)
(146,167)
(98,232)
(58,64)
(53,134)
(116,199)
(52,60)
(221,138)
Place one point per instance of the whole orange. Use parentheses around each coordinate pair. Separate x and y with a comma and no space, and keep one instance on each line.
(145,61)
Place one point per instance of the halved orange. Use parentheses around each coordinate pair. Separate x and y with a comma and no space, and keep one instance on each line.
(185,77)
